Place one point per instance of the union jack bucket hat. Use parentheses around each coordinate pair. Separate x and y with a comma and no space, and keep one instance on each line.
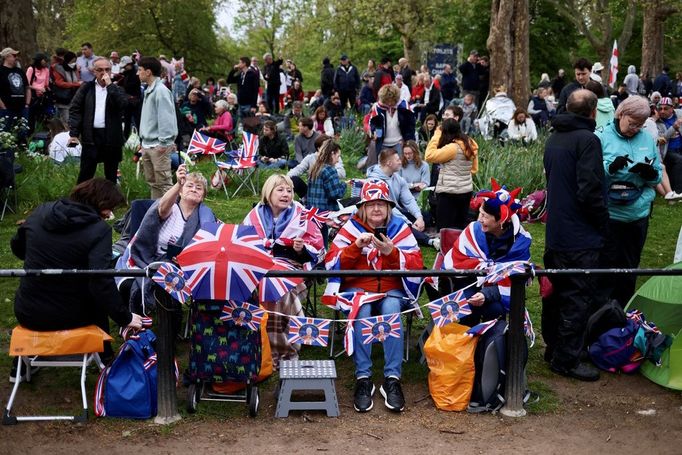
(375,190)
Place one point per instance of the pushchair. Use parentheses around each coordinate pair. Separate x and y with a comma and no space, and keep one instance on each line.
(221,351)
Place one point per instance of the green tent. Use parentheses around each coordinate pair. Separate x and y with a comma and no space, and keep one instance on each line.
(660,300)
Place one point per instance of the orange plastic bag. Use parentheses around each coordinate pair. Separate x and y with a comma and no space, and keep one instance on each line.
(450,355)
(229,387)
(61,342)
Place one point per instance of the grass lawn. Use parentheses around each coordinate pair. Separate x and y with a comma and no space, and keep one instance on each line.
(41,181)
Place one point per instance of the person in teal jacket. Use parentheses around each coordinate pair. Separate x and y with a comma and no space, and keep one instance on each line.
(633,169)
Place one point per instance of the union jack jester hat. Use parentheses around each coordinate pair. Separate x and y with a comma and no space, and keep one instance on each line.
(500,201)
(375,190)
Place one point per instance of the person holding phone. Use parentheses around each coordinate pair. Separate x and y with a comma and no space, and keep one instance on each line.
(374,239)
(95,117)
(169,225)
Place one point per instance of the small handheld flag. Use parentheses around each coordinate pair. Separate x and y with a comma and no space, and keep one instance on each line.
(242,314)
(173,281)
(380,328)
(202,144)
(481,328)
(310,331)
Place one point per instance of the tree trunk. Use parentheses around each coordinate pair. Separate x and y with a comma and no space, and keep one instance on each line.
(411,51)
(652,36)
(18,28)
(508,47)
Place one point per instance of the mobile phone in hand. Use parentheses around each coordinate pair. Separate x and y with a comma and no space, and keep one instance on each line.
(378,231)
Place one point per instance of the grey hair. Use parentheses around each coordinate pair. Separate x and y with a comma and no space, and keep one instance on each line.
(222,104)
(266,55)
(634,106)
(100,58)
(198,177)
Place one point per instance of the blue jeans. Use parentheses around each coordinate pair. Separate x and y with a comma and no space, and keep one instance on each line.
(393,347)
(281,163)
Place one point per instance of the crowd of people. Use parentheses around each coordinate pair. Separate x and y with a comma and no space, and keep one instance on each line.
(605,160)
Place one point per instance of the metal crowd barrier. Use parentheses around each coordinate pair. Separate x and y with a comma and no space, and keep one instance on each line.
(515,383)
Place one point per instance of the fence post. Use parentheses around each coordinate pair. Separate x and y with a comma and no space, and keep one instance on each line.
(516,349)
(165,353)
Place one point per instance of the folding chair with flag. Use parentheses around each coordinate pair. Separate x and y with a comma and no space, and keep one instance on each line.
(241,164)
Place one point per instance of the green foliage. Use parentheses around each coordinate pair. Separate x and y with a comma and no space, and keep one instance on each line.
(177,28)
(511,165)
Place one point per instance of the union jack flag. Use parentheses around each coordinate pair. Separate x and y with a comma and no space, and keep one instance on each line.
(356,187)
(273,289)
(314,215)
(501,270)
(449,308)
(380,328)
(172,280)
(528,328)
(481,328)
(231,260)
(314,332)
(247,155)
(242,314)
(201,144)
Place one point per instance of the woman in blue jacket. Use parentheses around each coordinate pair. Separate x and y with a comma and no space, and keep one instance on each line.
(633,169)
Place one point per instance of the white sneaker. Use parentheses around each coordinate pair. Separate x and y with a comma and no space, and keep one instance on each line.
(673,196)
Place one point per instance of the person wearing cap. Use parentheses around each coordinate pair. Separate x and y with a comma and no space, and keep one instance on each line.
(496,236)
(359,246)
(670,121)
(576,229)
(595,75)
(85,62)
(15,91)
(95,116)
(347,82)
(469,70)
(633,169)
(115,61)
(582,69)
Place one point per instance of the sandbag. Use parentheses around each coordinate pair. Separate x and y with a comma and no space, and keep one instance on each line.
(450,355)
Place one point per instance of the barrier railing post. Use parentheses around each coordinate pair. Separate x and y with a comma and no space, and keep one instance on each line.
(516,349)
(165,354)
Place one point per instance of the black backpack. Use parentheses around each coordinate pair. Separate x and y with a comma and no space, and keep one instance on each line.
(609,316)
(490,360)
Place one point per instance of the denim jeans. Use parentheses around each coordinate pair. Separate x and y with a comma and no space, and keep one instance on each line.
(281,163)
(393,347)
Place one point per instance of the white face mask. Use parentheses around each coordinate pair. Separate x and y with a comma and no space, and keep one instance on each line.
(72,65)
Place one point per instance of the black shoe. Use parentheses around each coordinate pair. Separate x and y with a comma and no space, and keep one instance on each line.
(364,390)
(393,394)
(583,371)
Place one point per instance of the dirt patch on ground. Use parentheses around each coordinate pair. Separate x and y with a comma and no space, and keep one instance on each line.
(612,414)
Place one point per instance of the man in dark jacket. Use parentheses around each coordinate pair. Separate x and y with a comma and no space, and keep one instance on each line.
(347,82)
(662,83)
(448,84)
(406,72)
(95,115)
(273,82)
(577,219)
(327,78)
(470,82)
(582,69)
(247,86)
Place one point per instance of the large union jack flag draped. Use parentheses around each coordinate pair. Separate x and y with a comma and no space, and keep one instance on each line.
(450,308)
(172,280)
(471,252)
(272,289)
(230,258)
(310,331)
(314,215)
(201,144)
(242,314)
(379,328)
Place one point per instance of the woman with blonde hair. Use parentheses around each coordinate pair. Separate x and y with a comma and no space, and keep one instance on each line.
(414,170)
(277,220)
(391,121)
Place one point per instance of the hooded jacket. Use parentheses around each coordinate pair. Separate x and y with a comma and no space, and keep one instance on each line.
(577,215)
(632,80)
(605,112)
(398,190)
(65,235)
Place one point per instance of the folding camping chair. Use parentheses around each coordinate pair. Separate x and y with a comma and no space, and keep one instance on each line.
(242,166)
(75,348)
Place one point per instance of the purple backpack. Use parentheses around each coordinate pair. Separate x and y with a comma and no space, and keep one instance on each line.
(615,349)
